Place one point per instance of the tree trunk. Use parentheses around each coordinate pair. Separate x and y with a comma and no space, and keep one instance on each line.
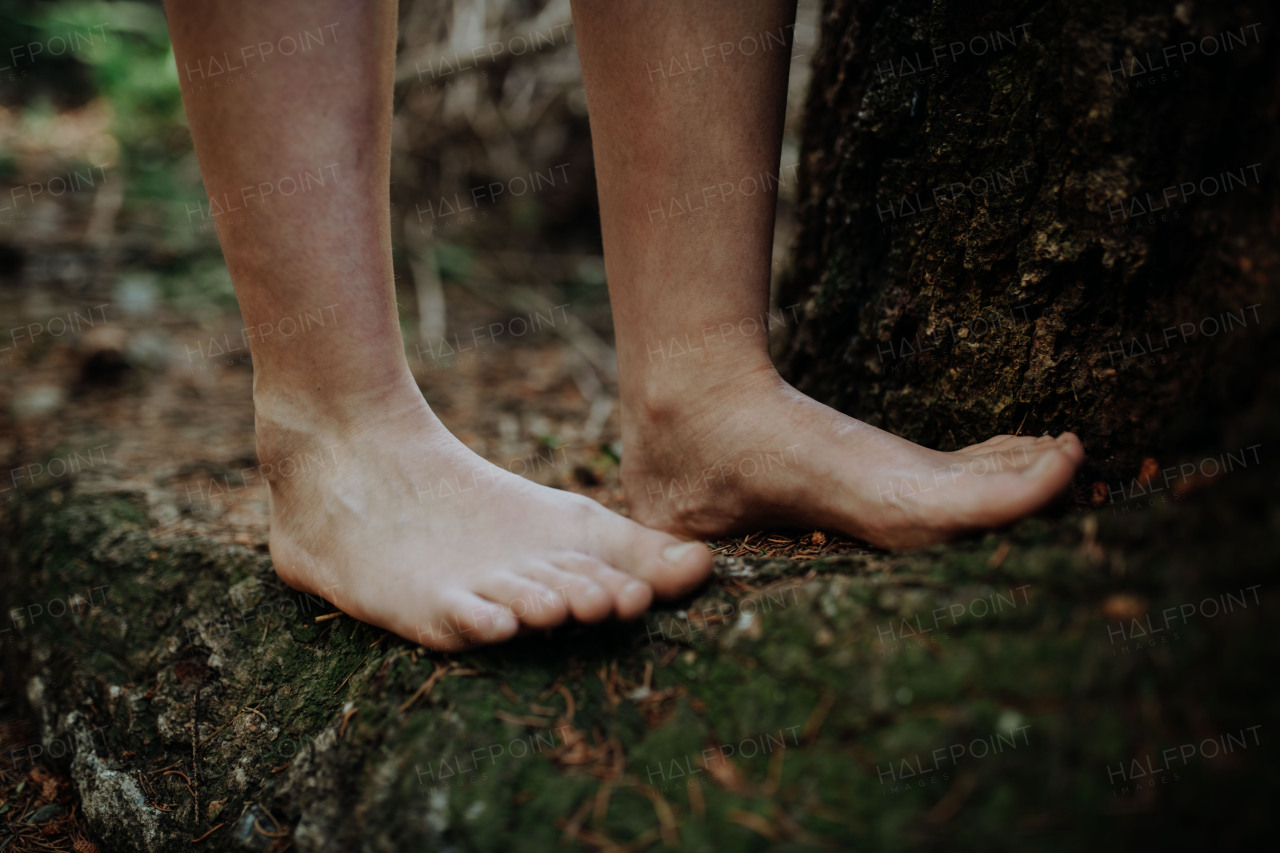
(1025,218)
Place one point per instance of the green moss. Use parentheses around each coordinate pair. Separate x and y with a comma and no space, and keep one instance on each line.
(811,697)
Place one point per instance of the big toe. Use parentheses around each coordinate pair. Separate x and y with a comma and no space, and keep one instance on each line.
(1051,472)
(1070,444)
(672,567)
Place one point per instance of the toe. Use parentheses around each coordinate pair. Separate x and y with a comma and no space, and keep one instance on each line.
(1003,497)
(534,603)
(1008,446)
(1070,444)
(670,566)
(1051,471)
(573,576)
(633,599)
(989,443)
(461,619)
(628,596)
(1022,452)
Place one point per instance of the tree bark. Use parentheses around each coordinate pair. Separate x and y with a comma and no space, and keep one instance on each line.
(1034,217)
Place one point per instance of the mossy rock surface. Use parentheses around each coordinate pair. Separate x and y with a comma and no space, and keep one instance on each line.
(1005,692)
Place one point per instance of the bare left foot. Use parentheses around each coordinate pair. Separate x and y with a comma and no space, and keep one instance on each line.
(755,452)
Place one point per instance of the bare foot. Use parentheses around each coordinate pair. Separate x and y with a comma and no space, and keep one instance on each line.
(756,453)
(397,523)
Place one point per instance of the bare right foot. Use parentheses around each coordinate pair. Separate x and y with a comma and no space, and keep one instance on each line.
(397,523)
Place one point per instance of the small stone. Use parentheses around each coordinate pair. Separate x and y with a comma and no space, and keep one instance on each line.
(37,401)
(137,294)
(748,625)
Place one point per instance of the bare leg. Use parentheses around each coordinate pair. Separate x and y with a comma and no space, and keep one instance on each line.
(714,440)
(383,512)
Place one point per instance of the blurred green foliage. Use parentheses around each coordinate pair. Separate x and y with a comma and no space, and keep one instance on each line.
(64,54)
(120,52)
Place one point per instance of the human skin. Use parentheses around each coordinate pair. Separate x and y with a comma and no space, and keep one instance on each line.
(370,529)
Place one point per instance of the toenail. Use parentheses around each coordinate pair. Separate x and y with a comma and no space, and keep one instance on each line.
(673,553)
(634,588)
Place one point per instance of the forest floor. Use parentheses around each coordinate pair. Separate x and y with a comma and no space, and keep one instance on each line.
(149,398)
(122,361)
(1012,689)
(1097,678)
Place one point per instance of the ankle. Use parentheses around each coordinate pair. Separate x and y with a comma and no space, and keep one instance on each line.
(293,419)
(676,393)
